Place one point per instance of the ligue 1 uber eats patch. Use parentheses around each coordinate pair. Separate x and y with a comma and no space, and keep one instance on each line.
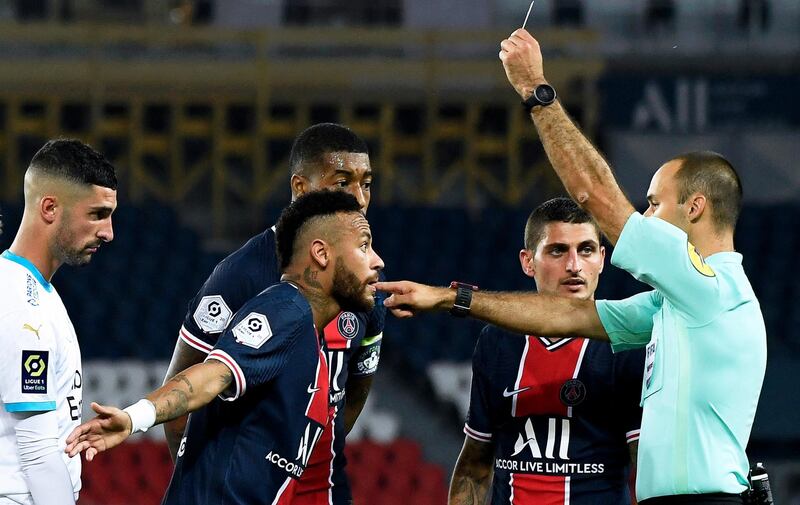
(34,372)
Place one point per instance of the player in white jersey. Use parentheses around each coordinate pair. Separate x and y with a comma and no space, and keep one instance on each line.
(70,194)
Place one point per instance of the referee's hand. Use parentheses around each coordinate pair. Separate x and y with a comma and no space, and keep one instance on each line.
(522,61)
(109,429)
(407,298)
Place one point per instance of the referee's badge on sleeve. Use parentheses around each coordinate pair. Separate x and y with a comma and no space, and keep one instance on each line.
(34,372)
(253,331)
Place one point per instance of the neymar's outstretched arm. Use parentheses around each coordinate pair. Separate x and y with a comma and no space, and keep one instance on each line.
(184,393)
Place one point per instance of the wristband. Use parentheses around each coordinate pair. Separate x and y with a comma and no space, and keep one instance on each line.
(142,414)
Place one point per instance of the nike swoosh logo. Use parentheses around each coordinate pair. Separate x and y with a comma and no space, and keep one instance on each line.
(507,393)
(312,389)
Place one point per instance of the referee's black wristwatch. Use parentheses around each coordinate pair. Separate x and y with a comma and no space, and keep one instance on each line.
(463,298)
(543,95)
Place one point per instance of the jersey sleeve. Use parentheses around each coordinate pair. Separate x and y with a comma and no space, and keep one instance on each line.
(628,370)
(366,358)
(210,311)
(480,425)
(376,319)
(660,255)
(629,322)
(27,364)
(258,343)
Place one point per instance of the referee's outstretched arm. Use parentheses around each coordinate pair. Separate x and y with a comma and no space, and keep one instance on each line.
(527,313)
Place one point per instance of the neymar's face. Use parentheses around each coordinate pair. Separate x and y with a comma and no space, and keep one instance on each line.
(356,266)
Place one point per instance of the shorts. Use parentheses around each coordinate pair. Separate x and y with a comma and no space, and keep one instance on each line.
(695,499)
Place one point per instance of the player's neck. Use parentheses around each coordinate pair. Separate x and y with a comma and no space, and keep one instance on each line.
(323,306)
(713,242)
(29,245)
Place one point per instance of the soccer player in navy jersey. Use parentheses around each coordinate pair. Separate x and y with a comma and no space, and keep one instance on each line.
(323,156)
(260,398)
(555,419)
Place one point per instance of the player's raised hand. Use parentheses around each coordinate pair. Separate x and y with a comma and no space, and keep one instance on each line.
(522,61)
(407,298)
(109,429)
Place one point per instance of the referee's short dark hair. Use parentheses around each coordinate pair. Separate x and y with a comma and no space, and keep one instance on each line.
(710,174)
(304,210)
(557,210)
(74,161)
(321,139)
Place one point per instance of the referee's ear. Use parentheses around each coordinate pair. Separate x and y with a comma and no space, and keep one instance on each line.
(695,207)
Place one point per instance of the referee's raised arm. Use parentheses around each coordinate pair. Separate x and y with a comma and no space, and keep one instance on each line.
(580,166)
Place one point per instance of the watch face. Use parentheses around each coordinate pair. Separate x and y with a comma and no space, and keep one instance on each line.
(545,93)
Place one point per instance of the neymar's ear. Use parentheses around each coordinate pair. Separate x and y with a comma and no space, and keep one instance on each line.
(320,251)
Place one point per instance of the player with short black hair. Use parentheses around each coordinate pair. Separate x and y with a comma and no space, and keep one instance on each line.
(323,156)
(551,420)
(315,142)
(74,161)
(70,194)
(260,398)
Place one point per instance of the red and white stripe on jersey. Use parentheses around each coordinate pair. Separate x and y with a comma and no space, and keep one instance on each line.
(316,485)
(632,436)
(193,341)
(539,489)
(543,369)
(578,367)
(317,408)
(477,435)
(238,375)
(520,369)
(286,492)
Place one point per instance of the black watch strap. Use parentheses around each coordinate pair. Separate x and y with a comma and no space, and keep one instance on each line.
(543,95)
(463,298)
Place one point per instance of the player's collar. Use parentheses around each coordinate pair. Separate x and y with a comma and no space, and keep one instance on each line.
(30,267)
(552,346)
(724,257)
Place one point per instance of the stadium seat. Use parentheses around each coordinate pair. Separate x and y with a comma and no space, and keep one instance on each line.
(394,473)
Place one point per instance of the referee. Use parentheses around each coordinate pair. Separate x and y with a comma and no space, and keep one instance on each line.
(701,324)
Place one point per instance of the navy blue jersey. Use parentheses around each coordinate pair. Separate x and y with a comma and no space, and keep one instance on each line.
(559,414)
(353,342)
(253,443)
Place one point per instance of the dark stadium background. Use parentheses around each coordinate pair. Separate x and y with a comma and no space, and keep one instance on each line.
(196,103)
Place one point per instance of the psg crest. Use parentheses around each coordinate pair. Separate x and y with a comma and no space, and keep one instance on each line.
(573,392)
(348,325)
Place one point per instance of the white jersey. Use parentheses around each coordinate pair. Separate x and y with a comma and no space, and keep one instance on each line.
(40,366)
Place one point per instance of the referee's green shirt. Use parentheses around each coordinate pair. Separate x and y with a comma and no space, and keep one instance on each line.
(706,356)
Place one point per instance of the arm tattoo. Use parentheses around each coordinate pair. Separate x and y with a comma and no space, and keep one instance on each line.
(182,378)
(170,408)
(467,492)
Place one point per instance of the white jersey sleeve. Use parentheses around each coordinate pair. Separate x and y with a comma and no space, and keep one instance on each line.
(27,364)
